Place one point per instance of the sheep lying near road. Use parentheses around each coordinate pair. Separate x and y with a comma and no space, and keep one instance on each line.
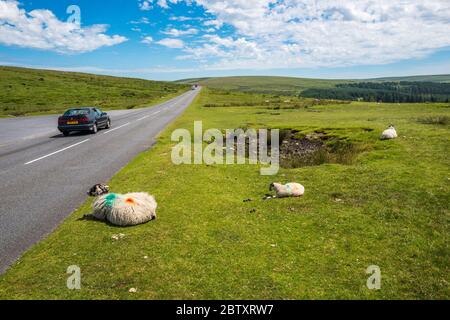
(389,133)
(122,209)
(288,190)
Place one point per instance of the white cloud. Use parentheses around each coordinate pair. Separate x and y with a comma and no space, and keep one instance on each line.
(179,33)
(40,29)
(143,20)
(312,33)
(147,40)
(163,4)
(213,23)
(184,18)
(145,5)
(171,43)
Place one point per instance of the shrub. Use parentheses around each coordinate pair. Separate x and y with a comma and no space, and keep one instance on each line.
(439,120)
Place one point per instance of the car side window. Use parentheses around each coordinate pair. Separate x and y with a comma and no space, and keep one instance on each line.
(98,112)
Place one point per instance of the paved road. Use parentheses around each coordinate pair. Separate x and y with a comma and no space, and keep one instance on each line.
(44,176)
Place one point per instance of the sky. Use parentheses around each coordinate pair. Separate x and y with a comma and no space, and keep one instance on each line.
(177,39)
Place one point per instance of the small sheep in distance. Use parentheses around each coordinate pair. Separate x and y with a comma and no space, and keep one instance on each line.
(389,134)
(287,190)
(122,209)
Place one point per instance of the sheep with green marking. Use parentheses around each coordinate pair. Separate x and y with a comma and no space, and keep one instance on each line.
(122,210)
(287,190)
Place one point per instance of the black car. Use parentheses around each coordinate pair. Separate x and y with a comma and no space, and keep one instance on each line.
(83,119)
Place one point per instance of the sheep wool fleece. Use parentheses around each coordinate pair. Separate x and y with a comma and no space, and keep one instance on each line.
(125,210)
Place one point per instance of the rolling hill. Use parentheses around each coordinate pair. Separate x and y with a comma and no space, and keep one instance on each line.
(28,91)
(289,85)
(267,85)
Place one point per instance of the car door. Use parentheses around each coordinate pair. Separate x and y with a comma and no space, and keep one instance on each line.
(101,119)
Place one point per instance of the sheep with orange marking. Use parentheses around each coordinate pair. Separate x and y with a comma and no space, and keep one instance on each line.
(122,210)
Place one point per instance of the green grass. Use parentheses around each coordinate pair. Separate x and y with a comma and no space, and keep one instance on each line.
(32,91)
(389,208)
(289,85)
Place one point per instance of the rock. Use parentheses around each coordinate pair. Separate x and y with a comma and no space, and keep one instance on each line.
(132,290)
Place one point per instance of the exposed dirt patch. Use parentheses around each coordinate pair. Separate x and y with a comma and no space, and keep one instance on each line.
(299,150)
(315,149)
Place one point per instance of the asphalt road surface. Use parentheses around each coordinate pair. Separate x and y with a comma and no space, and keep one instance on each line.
(44,176)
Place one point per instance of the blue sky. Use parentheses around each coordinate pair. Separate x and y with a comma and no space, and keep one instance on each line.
(174,39)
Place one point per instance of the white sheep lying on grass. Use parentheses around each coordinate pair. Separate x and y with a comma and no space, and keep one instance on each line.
(122,209)
(287,190)
(389,134)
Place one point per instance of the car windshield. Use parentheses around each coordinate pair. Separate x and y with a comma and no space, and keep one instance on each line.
(76,112)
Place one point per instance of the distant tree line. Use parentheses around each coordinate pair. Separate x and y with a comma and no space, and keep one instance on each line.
(403,91)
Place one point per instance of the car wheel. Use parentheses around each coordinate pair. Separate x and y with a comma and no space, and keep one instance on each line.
(66,133)
(94,129)
(108,124)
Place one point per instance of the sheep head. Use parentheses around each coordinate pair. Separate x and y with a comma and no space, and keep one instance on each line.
(98,190)
(273,186)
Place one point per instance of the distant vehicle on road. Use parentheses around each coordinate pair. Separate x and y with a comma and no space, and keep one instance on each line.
(194,87)
(83,119)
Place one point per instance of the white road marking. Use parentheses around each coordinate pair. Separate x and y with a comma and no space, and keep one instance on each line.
(124,125)
(145,117)
(140,119)
(56,152)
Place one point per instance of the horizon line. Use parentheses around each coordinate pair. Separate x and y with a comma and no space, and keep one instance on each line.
(104,72)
